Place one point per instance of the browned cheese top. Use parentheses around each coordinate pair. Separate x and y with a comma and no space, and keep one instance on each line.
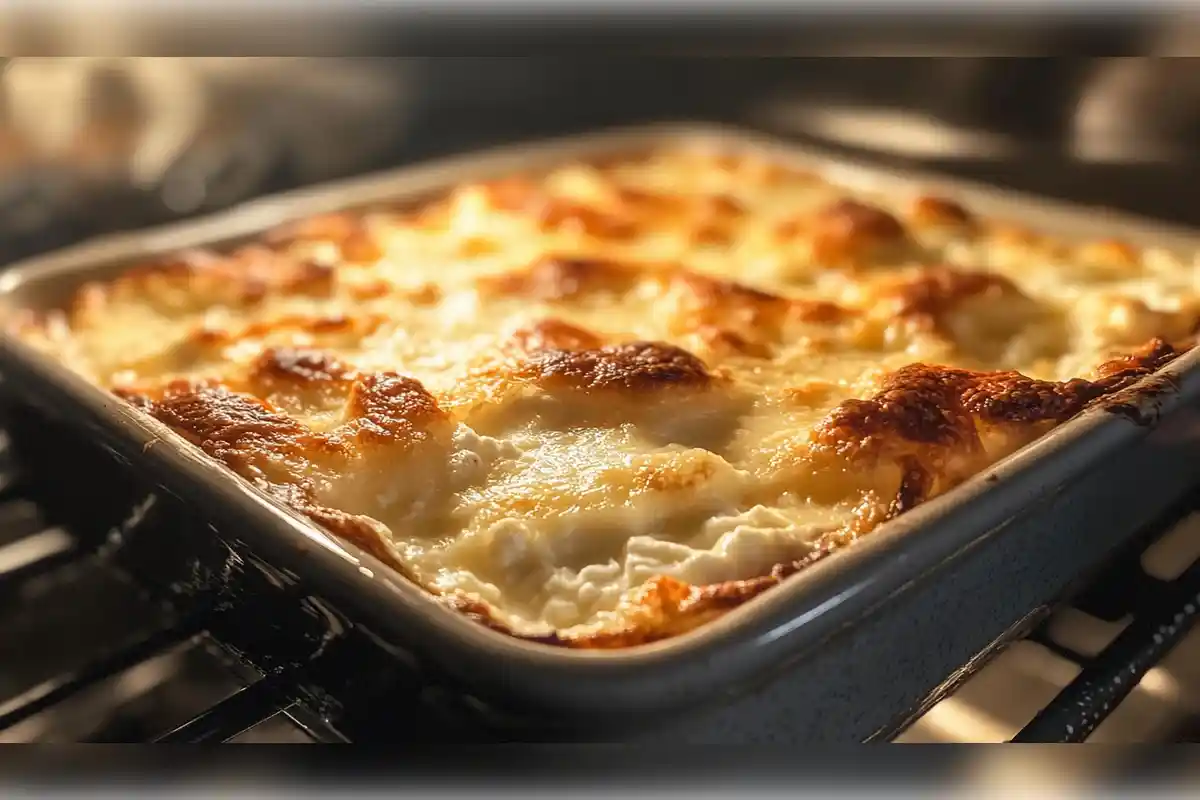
(603,404)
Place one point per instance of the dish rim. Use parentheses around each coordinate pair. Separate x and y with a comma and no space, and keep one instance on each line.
(775,626)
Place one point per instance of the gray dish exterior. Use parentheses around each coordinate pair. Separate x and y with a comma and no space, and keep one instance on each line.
(845,651)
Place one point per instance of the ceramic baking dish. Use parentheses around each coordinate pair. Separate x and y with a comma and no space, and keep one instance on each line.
(842,651)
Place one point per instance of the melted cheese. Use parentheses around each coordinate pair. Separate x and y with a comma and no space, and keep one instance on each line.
(601,400)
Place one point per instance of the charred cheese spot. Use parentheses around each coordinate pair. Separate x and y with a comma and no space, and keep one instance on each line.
(927,421)
(666,392)
(297,367)
(1120,373)
(917,406)
(242,432)
(635,367)
(1010,398)
(390,409)
(911,440)
(916,484)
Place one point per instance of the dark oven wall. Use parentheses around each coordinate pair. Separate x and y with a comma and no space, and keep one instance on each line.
(91,145)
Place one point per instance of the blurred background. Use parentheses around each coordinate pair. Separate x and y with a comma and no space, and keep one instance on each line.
(89,144)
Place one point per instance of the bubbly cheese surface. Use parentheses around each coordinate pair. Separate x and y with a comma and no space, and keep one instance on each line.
(602,404)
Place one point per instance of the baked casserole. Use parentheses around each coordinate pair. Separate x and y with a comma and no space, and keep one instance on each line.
(603,404)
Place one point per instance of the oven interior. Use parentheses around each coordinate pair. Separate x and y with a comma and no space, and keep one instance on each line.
(89,655)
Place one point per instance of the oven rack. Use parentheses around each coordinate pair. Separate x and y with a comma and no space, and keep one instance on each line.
(39,559)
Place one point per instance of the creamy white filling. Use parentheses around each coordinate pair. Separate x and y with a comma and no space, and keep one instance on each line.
(536,593)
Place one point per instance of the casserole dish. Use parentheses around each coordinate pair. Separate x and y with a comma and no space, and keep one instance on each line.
(1008,519)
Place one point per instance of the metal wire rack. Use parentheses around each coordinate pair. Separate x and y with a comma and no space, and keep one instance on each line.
(53,588)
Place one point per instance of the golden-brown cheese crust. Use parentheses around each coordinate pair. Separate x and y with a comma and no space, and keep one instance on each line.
(287,459)
(554,213)
(561,278)
(939,212)
(728,316)
(347,231)
(852,233)
(552,334)
(391,409)
(928,295)
(241,431)
(634,367)
(816,345)
(245,276)
(292,366)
